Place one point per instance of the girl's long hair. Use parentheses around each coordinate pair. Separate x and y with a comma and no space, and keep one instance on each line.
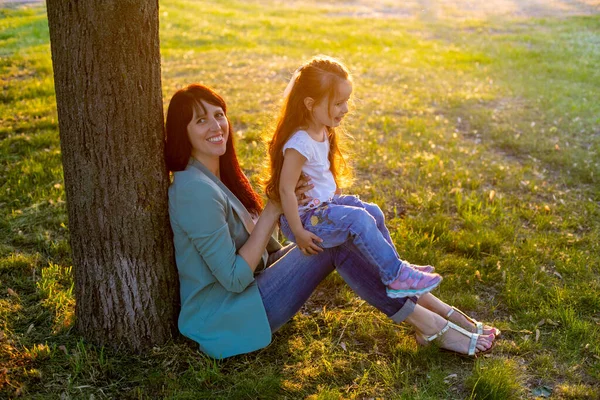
(319,78)
(178,148)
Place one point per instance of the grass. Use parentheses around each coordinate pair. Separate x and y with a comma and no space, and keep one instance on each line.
(480,140)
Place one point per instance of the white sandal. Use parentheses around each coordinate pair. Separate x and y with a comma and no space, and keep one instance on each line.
(478,325)
(472,343)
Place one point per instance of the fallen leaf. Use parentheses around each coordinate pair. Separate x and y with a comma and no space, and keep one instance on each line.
(30,329)
(542,391)
(537,335)
(511,319)
(450,377)
(558,275)
(549,321)
(492,195)
(478,275)
(64,349)
(12,292)
(343,346)
(541,323)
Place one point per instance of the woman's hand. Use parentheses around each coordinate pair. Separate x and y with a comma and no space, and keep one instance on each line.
(307,242)
(302,187)
(273,207)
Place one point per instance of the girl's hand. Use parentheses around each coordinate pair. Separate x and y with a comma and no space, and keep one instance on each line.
(306,242)
(302,187)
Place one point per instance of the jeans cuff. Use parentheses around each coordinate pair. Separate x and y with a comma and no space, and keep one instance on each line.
(405,310)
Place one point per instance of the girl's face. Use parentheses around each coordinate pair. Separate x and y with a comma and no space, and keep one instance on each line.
(330,112)
(208,133)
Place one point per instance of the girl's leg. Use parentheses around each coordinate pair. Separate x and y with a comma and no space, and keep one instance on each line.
(287,283)
(335,224)
(439,307)
(375,212)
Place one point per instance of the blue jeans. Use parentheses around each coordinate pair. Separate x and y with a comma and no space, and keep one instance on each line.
(347,218)
(292,276)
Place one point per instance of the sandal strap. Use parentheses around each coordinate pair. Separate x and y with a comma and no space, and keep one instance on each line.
(451,325)
(472,336)
(478,325)
(440,333)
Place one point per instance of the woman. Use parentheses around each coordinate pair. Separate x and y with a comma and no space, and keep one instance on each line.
(237,284)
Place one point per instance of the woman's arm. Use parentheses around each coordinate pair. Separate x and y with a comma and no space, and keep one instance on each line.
(254,247)
(200,211)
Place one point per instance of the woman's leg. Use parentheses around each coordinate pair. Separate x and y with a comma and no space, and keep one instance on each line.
(428,323)
(360,275)
(287,283)
(439,307)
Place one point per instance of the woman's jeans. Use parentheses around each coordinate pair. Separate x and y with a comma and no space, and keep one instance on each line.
(292,277)
(346,218)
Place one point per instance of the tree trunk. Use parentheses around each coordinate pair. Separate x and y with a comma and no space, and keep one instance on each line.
(106,60)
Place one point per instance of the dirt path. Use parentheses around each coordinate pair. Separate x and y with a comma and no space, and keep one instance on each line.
(461,9)
(436,9)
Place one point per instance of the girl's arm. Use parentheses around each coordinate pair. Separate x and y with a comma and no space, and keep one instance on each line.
(290,173)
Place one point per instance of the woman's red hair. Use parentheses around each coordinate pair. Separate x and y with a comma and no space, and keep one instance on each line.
(178,148)
(318,78)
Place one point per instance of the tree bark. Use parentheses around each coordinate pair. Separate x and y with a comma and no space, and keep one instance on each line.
(106,61)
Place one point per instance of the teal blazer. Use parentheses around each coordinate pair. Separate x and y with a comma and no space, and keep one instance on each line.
(221,307)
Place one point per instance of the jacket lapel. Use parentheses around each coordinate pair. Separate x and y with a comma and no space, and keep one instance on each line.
(236,204)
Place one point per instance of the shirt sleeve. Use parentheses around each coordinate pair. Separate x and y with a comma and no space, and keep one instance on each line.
(299,143)
(202,217)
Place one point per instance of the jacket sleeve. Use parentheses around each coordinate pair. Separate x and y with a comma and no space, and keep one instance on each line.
(202,211)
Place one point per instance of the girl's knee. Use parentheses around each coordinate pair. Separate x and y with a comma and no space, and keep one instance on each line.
(375,212)
(362,217)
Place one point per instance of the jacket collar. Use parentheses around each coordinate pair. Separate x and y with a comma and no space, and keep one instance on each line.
(236,204)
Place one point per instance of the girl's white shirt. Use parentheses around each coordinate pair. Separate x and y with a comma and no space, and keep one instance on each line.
(316,166)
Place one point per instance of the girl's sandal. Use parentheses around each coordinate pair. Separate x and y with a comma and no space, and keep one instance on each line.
(478,325)
(472,336)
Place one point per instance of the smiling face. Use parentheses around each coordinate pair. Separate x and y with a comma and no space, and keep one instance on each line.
(330,112)
(208,133)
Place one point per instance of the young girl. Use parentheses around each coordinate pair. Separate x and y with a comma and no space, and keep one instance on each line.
(316,101)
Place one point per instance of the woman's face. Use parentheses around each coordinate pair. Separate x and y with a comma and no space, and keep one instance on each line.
(208,133)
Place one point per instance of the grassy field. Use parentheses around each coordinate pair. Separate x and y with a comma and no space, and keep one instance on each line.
(479,138)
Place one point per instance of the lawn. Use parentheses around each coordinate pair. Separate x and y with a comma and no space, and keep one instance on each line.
(478,137)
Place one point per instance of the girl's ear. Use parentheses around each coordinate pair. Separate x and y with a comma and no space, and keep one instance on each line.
(309,102)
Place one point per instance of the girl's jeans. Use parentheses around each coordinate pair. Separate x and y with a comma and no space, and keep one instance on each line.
(346,218)
(292,276)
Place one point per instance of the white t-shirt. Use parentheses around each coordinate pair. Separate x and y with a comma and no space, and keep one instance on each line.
(316,166)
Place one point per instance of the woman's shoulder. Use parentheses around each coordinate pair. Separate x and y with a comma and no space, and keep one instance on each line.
(191,181)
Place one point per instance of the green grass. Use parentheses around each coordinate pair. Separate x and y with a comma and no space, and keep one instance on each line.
(480,140)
